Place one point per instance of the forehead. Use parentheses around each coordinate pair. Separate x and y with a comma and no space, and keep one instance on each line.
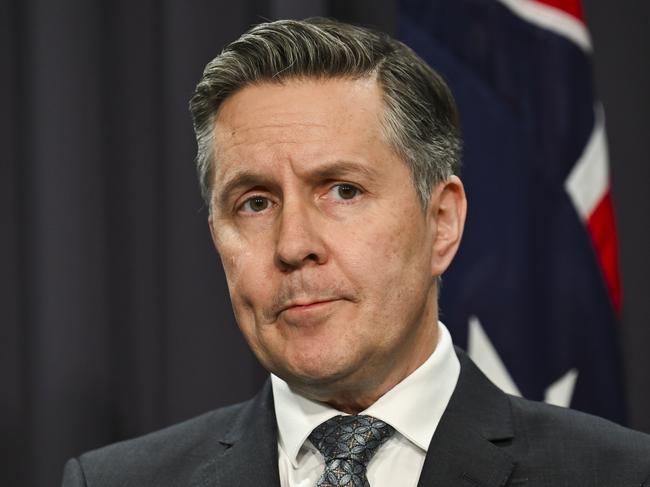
(314,98)
(302,115)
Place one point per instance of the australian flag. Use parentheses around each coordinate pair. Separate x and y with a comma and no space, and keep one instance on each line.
(534,292)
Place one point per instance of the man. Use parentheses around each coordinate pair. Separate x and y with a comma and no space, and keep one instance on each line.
(327,157)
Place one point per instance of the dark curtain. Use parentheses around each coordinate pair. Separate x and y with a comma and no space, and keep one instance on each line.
(115,315)
(118,322)
(621,38)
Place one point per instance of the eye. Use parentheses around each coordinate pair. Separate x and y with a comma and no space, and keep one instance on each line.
(255,204)
(344,191)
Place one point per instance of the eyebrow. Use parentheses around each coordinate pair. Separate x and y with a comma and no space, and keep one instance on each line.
(341,168)
(246,178)
(243,178)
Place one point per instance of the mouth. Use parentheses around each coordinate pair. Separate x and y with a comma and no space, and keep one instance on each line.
(308,307)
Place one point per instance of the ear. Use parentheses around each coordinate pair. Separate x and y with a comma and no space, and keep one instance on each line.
(447,208)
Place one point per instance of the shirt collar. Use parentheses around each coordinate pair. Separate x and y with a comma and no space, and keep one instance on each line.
(413,407)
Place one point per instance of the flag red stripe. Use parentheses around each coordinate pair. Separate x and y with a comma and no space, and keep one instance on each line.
(602,228)
(572,7)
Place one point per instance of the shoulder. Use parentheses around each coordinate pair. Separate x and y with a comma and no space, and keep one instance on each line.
(578,445)
(173,453)
(179,438)
(544,422)
(546,445)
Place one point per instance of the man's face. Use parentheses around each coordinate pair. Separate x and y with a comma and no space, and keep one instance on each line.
(329,256)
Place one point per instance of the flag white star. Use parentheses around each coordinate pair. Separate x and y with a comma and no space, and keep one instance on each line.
(482,352)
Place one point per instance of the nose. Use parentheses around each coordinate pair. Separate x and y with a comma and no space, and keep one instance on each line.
(299,239)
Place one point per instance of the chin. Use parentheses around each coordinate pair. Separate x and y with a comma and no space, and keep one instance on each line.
(310,359)
(315,371)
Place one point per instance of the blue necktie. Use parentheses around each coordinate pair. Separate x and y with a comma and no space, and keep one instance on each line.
(348,443)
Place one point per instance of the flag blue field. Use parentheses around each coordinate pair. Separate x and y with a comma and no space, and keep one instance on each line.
(534,291)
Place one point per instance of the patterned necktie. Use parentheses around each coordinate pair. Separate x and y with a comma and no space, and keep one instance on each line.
(348,443)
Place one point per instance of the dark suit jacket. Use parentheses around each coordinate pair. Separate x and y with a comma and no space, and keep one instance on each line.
(485,438)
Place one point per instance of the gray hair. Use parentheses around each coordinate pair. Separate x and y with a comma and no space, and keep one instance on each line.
(420,119)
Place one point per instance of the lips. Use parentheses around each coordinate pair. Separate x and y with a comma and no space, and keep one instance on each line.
(309,301)
(307,305)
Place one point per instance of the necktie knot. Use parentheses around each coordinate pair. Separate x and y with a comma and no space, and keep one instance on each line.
(348,443)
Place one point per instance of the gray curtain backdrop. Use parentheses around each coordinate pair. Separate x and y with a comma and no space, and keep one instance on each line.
(115,318)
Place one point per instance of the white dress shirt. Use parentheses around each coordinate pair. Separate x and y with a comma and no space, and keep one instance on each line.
(413,407)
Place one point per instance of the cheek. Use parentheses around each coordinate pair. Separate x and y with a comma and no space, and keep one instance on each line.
(390,264)
(245,270)
(396,244)
(245,291)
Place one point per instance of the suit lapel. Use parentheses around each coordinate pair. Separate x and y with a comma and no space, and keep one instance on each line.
(463,450)
(247,455)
